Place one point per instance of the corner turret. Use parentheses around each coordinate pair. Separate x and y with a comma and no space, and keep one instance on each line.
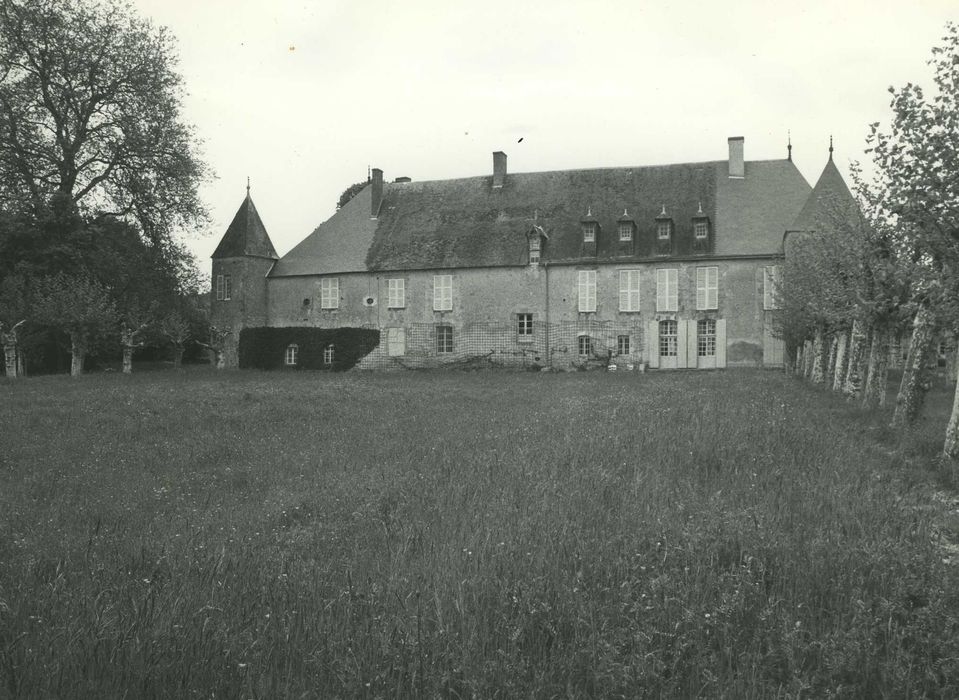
(241,263)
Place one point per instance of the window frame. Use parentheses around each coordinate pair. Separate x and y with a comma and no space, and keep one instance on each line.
(291,355)
(707,288)
(664,230)
(444,339)
(329,293)
(589,231)
(669,342)
(706,337)
(622,344)
(329,354)
(524,327)
(701,225)
(396,293)
(630,297)
(442,292)
(667,280)
(584,341)
(586,291)
(626,227)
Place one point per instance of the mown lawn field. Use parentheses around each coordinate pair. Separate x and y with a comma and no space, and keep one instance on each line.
(244,534)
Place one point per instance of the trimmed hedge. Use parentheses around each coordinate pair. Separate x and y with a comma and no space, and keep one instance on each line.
(265,348)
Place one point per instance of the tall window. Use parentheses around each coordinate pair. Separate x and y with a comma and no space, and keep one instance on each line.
(667,338)
(771,287)
(701,229)
(328,353)
(442,292)
(706,338)
(707,288)
(667,290)
(587,290)
(292,355)
(585,345)
(524,329)
(223,287)
(629,290)
(395,293)
(622,345)
(396,341)
(589,232)
(444,339)
(329,293)
(625,231)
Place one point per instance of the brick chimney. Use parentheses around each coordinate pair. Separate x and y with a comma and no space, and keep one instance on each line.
(737,166)
(499,169)
(377,191)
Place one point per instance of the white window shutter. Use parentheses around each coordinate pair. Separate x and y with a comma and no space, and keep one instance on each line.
(720,342)
(691,344)
(673,300)
(652,344)
(701,288)
(712,287)
(661,284)
(624,290)
(681,345)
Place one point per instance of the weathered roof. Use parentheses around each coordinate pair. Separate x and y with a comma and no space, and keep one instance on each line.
(246,235)
(466,223)
(753,212)
(831,204)
(339,244)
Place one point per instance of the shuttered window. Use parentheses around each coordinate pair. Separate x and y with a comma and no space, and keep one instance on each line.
(442,292)
(707,288)
(396,293)
(587,290)
(771,287)
(629,290)
(329,293)
(667,290)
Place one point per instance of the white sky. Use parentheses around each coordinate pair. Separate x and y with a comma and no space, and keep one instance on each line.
(303,96)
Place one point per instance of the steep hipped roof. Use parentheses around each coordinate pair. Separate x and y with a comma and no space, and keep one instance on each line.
(339,244)
(246,235)
(831,204)
(467,223)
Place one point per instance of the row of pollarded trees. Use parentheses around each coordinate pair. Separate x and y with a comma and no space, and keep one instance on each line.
(852,286)
(85,312)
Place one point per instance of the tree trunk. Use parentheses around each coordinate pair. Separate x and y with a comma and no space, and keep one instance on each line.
(833,347)
(838,371)
(127,359)
(21,362)
(177,356)
(799,361)
(10,360)
(807,359)
(819,361)
(951,447)
(78,351)
(915,375)
(878,367)
(852,384)
(895,350)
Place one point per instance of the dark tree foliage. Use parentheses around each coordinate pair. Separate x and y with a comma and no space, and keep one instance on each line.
(265,348)
(349,193)
(90,115)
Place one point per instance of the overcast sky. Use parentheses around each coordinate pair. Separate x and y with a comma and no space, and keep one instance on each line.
(303,96)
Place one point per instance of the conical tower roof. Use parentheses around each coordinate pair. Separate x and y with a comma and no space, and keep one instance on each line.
(830,204)
(246,235)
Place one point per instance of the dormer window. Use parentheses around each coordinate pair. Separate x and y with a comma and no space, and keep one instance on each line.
(626,231)
(535,238)
(534,250)
(701,243)
(701,229)
(664,233)
(663,230)
(589,232)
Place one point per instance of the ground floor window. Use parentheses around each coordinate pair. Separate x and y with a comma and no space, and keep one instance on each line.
(667,338)
(444,339)
(328,353)
(585,345)
(524,330)
(622,345)
(292,354)
(706,338)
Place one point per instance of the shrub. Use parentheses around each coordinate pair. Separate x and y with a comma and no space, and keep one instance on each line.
(265,348)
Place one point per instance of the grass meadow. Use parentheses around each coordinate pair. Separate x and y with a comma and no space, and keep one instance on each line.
(489,535)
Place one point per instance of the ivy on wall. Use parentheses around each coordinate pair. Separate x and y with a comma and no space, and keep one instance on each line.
(266,348)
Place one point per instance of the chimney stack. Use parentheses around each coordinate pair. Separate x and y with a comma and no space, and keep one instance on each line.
(499,169)
(737,166)
(377,193)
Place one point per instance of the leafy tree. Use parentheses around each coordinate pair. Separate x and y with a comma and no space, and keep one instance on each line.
(917,189)
(79,306)
(90,102)
(349,193)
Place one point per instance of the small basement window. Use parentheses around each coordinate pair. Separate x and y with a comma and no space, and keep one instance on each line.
(328,354)
(292,355)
